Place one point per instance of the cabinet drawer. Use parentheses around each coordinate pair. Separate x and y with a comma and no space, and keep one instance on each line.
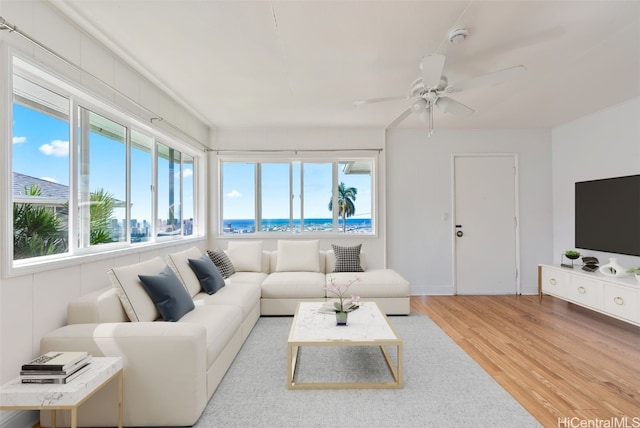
(623,302)
(554,282)
(585,291)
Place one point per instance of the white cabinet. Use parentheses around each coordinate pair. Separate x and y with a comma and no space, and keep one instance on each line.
(623,302)
(585,291)
(616,297)
(555,282)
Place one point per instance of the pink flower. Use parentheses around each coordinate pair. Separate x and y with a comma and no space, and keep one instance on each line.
(344,305)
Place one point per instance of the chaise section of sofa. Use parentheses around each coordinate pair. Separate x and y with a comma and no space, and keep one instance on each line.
(390,290)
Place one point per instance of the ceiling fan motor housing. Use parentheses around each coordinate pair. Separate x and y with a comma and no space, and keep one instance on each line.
(458,34)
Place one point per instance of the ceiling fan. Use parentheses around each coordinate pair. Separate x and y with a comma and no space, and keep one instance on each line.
(432,89)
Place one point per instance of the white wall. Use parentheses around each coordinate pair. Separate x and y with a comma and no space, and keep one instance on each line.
(305,139)
(419,193)
(600,145)
(32,305)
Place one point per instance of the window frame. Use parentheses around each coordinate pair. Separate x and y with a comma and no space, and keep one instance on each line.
(17,63)
(301,157)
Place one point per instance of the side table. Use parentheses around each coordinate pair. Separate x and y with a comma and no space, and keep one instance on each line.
(15,395)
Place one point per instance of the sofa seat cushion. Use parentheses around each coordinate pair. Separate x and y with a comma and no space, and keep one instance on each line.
(246,278)
(221,323)
(373,283)
(244,295)
(295,285)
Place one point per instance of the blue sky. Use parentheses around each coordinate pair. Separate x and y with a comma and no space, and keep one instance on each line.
(41,149)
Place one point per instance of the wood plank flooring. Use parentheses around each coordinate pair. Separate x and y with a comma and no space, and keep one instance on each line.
(560,361)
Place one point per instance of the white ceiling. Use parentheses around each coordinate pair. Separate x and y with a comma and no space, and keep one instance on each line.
(303,63)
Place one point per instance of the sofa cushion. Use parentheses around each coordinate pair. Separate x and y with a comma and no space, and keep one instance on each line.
(245,256)
(375,283)
(347,258)
(135,300)
(207,273)
(179,264)
(298,256)
(286,285)
(221,324)
(169,295)
(244,295)
(222,262)
(246,278)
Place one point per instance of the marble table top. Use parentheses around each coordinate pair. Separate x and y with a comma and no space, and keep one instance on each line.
(16,394)
(366,324)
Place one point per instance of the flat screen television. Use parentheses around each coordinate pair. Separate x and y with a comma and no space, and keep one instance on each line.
(607,215)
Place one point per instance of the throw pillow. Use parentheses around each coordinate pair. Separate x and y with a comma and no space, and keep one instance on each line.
(298,256)
(222,262)
(347,258)
(246,256)
(179,264)
(207,273)
(168,294)
(134,298)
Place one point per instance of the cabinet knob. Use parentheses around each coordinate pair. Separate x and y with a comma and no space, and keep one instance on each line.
(618,300)
(552,281)
(581,290)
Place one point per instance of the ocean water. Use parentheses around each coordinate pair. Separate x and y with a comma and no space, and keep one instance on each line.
(353,225)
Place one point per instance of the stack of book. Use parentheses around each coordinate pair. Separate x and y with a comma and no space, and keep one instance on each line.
(55,367)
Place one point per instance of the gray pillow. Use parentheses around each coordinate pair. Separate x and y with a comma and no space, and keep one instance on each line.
(207,273)
(168,294)
(347,258)
(222,262)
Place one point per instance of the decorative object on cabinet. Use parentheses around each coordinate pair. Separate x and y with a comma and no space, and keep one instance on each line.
(590,264)
(636,272)
(571,255)
(613,268)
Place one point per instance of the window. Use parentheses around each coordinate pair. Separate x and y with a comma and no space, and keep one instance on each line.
(100,195)
(296,196)
(141,186)
(102,185)
(40,171)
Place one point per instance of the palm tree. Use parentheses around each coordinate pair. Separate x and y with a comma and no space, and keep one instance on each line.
(100,212)
(346,206)
(37,231)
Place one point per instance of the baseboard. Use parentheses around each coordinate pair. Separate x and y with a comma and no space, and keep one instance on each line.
(19,418)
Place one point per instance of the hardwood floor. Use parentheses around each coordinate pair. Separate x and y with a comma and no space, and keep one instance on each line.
(557,359)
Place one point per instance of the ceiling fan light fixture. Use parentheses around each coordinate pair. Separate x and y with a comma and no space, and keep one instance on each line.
(419,105)
(458,34)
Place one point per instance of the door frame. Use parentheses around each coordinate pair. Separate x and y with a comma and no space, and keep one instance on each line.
(516,211)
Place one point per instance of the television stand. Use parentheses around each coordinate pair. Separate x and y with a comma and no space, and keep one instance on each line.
(616,297)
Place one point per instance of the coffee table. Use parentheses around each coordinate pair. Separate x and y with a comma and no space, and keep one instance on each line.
(367,326)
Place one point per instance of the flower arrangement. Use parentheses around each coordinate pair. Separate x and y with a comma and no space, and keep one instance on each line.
(344,303)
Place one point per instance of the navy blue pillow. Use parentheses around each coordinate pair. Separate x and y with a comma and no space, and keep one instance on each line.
(207,273)
(168,294)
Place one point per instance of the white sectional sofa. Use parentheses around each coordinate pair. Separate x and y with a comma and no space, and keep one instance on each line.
(171,369)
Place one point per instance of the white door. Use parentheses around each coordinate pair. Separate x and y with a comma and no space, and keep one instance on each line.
(485,225)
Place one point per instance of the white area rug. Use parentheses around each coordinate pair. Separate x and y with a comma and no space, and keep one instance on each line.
(443,386)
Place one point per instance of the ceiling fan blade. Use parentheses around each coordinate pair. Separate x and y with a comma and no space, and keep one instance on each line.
(379,100)
(400,118)
(432,66)
(490,79)
(449,105)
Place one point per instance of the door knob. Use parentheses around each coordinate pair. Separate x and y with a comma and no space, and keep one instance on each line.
(459,234)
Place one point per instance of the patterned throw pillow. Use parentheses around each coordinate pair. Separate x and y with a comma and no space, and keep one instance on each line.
(222,262)
(347,258)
